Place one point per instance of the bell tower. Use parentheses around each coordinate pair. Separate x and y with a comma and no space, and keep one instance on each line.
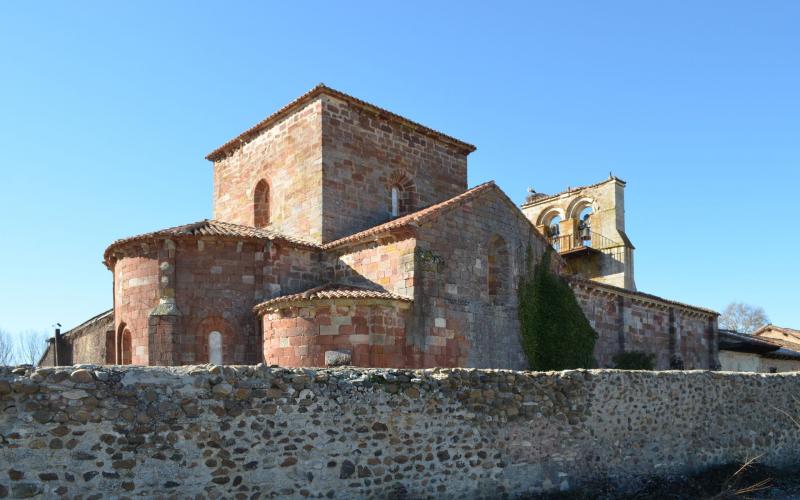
(586,225)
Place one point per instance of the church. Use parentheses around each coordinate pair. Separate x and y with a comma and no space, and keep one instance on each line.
(344,234)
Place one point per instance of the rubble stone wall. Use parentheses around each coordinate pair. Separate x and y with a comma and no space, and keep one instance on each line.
(244,431)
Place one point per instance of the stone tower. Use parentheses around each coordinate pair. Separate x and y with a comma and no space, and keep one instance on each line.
(328,165)
(587,227)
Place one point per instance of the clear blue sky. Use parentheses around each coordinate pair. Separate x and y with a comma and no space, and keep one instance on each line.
(107,110)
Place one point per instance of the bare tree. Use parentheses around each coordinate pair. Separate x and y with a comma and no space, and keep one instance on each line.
(6,348)
(30,347)
(743,318)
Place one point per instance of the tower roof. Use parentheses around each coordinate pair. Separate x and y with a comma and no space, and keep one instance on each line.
(321,89)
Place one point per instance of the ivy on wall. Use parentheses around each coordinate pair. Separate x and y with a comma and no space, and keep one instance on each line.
(555,333)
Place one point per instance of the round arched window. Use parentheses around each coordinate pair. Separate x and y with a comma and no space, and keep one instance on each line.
(215,348)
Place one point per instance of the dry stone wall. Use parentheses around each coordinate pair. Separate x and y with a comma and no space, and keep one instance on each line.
(256,431)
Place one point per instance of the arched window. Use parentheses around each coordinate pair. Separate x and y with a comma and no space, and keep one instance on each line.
(498,270)
(215,348)
(395,201)
(127,348)
(261,204)
(402,195)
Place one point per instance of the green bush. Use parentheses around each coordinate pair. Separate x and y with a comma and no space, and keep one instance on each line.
(634,360)
(555,333)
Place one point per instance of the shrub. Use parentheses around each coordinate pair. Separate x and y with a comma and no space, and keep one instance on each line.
(634,360)
(555,333)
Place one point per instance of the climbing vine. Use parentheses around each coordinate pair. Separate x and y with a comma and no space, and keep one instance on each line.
(555,333)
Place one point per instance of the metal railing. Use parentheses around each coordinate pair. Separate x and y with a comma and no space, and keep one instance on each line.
(567,242)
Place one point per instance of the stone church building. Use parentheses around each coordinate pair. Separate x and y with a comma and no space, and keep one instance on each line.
(344,233)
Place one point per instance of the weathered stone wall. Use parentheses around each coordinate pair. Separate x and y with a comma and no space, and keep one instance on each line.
(680,336)
(457,321)
(288,155)
(364,154)
(90,342)
(389,265)
(136,292)
(751,362)
(219,282)
(348,433)
(213,284)
(371,332)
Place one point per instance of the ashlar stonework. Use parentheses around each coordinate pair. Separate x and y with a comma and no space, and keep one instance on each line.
(342,229)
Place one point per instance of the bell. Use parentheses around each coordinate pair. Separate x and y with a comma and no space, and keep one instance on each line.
(586,233)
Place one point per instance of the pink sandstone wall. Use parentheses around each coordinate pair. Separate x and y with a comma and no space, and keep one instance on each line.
(457,322)
(372,331)
(363,153)
(135,295)
(218,283)
(215,283)
(389,264)
(289,156)
(628,321)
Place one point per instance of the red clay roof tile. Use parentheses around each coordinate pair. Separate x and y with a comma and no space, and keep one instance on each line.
(331,291)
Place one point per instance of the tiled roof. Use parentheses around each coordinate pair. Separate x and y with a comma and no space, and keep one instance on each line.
(782,329)
(416,218)
(639,295)
(540,197)
(792,340)
(102,316)
(730,340)
(208,227)
(783,353)
(331,291)
(249,134)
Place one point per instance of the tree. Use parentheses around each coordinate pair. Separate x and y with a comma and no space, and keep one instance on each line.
(30,347)
(743,318)
(6,348)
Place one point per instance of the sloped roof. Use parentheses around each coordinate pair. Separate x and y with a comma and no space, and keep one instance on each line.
(209,227)
(106,315)
(782,329)
(540,197)
(331,291)
(730,340)
(416,218)
(638,295)
(791,336)
(320,89)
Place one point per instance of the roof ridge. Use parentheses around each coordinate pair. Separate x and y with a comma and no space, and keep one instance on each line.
(319,89)
(421,216)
